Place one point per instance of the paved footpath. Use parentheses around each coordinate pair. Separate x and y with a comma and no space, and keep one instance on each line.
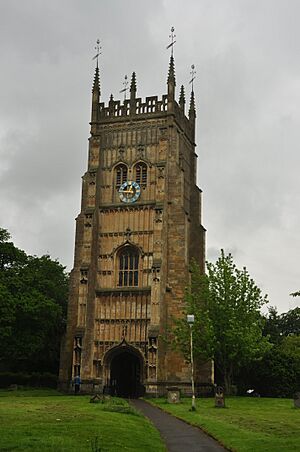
(178,435)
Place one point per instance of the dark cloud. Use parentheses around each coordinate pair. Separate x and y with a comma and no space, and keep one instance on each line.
(248,106)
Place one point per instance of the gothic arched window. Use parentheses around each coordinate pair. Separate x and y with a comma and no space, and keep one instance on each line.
(128,267)
(141,173)
(121,172)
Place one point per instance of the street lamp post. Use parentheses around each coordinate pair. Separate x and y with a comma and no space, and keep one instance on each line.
(191,320)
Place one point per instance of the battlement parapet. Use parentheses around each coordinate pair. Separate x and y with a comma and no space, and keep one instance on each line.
(117,110)
(136,106)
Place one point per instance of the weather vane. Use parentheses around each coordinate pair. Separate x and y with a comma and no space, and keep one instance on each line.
(125,84)
(98,50)
(193,74)
(172,36)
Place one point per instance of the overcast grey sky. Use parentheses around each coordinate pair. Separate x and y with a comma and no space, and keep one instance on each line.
(246,54)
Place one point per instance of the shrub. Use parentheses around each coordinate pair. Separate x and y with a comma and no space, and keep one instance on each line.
(38,380)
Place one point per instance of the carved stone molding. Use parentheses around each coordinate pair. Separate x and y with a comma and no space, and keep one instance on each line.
(83,276)
(121,150)
(163,133)
(124,234)
(161,172)
(158,215)
(106,256)
(141,150)
(156,270)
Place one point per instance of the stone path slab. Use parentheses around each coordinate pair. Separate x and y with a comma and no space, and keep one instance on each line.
(178,435)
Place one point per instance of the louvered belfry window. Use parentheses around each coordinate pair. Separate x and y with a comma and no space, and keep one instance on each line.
(121,175)
(141,173)
(128,267)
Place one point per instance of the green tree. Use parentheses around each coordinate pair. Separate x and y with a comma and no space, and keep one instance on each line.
(278,373)
(272,325)
(278,326)
(198,303)
(228,325)
(33,300)
(10,256)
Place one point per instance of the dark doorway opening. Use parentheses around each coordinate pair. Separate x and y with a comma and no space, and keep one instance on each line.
(125,375)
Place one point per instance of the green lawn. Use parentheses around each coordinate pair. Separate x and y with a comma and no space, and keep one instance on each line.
(246,424)
(45,420)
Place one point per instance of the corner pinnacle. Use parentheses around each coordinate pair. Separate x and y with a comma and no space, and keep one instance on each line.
(192,110)
(96,84)
(133,85)
(171,74)
(182,98)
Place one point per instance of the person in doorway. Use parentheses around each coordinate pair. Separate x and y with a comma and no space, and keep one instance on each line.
(77,383)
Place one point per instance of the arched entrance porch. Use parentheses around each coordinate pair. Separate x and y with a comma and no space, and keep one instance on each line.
(124,368)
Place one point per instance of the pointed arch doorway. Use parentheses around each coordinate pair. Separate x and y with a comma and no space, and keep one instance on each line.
(124,368)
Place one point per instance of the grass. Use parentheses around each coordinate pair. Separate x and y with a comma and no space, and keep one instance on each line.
(246,424)
(45,420)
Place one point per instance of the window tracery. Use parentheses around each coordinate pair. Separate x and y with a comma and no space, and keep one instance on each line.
(128,267)
(141,173)
(121,172)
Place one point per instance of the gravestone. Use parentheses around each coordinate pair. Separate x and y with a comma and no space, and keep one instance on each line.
(99,398)
(173,395)
(297,400)
(219,397)
(13,387)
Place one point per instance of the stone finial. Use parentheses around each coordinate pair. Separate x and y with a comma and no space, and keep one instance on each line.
(111,105)
(133,94)
(133,86)
(96,84)
(182,98)
(171,85)
(171,74)
(192,110)
(95,95)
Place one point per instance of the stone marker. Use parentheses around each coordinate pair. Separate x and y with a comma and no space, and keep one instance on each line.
(13,387)
(219,397)
(297,400)
(173,395)
(97,398)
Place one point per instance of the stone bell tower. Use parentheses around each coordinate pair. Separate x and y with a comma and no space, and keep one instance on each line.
(137,231)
